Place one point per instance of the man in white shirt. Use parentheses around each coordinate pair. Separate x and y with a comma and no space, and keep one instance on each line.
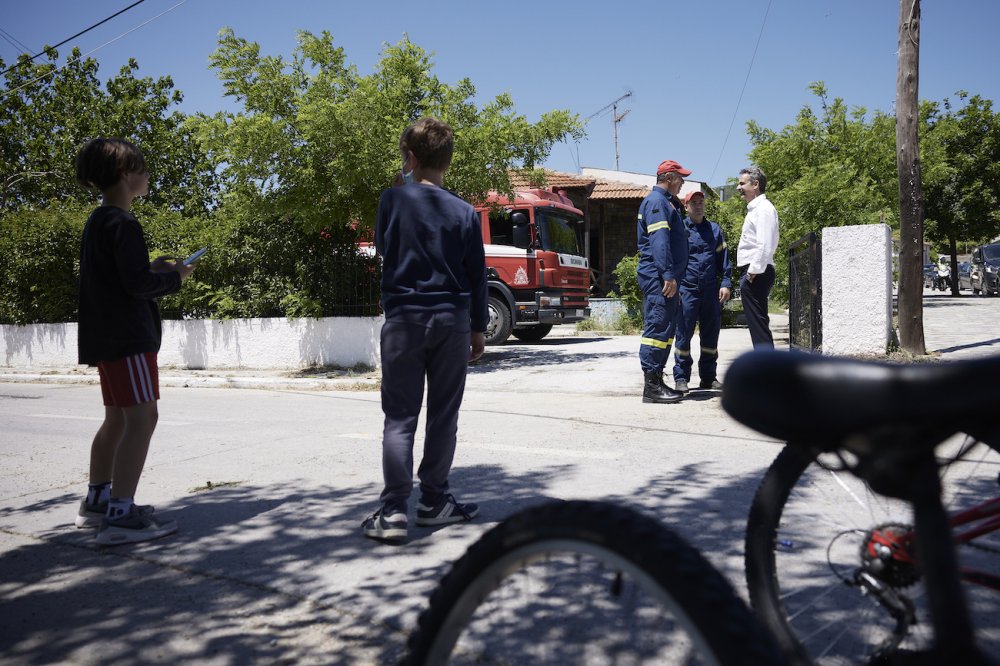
(755,255)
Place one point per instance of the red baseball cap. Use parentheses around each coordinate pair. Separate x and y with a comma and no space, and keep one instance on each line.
(666,166)
(691,195)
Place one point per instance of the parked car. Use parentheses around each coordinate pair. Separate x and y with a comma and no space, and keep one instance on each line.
(985,278)
(964,275)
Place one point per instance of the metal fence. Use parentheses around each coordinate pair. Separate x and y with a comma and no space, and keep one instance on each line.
(358,291)
(805,291)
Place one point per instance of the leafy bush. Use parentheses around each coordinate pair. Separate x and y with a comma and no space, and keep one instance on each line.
(39,265)
(254,267)
(628,284)
(267,267)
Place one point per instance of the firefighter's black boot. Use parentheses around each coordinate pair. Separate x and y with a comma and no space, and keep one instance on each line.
(654,390)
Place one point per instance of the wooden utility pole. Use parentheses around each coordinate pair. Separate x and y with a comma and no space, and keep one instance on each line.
(911,199)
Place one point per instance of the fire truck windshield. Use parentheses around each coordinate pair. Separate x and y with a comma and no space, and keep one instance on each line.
(560,231)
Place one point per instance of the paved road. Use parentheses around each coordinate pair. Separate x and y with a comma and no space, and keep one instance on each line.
(963,326)
(269,487)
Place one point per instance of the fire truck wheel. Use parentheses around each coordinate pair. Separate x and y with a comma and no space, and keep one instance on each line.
(532,333)
(499,326)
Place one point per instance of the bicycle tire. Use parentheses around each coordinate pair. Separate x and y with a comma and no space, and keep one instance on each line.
(816,622)
(701,601)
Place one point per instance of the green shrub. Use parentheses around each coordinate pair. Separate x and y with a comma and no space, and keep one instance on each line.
(39,265)
(630,294)
(254,268)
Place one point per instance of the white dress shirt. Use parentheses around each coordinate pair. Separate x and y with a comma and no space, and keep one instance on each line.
(759,238)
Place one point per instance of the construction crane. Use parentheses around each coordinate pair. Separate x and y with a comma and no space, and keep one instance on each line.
(615,119)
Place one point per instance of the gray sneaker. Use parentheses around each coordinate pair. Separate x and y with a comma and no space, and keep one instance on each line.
(445,511)
(91,515)
(387,527)
(681,386)
(710,385)
(133,527)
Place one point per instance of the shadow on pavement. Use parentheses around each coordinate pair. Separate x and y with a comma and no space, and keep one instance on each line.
(255,575)
(497,359)
(971,345)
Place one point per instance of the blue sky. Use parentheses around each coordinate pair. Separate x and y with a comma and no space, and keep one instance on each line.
(685,63)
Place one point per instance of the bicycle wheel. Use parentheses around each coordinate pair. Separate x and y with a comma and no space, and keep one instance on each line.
(805,535)
(586,583)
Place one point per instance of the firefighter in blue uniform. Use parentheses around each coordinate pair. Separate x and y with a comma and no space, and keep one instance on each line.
(663,250)
(702,296)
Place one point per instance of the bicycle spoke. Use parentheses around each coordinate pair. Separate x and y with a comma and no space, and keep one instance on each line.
(802,509)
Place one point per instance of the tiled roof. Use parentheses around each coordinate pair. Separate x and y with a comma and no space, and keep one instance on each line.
(557,179)
(607,189)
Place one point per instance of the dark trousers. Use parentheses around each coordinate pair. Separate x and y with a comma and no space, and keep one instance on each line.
(699,305)
(754,297)
(436,350)
(659,316)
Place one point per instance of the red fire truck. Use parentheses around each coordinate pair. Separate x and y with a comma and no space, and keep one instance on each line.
(535,264)
(536,270)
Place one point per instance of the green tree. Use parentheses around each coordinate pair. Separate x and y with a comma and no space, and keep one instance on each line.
(48,111)
(318,142)
(833,166)
(962,200)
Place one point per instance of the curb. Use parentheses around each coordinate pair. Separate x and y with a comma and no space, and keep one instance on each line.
(288,383)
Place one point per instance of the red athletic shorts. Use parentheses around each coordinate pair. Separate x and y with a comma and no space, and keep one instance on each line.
(129,381)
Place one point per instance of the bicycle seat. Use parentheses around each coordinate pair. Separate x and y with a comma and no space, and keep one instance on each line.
(803,397)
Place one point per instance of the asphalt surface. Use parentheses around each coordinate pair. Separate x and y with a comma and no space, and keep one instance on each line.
(269,486)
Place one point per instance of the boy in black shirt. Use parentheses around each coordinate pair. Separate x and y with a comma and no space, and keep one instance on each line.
(434,298)
(119,332)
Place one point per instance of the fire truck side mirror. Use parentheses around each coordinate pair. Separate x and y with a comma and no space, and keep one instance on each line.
(521,230)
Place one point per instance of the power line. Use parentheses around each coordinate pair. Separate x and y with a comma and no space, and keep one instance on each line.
(14,41)
(47,49)
(740,100)
(110,41)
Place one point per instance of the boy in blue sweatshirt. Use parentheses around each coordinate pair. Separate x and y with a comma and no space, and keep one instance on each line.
(434,298)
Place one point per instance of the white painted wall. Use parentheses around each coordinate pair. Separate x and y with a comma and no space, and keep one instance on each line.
(857,289)
(209,343)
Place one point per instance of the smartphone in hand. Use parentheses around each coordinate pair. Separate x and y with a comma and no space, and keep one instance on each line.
(195,257)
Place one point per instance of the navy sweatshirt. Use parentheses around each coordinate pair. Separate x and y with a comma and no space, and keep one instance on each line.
(431,246)
(117,315)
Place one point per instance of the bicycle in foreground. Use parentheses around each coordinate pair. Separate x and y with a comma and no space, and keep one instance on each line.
(873,535)
(592,583)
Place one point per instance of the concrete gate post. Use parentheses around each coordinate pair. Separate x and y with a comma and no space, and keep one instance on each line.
(857,289)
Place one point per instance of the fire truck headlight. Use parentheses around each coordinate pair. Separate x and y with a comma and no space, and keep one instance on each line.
(549,301)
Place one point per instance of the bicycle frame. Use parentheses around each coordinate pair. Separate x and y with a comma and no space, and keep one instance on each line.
(987,515)
(982,519)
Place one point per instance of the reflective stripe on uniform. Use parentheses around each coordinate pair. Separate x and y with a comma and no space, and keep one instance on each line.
(680,352)
(709,350)
(657,226)
(661,344)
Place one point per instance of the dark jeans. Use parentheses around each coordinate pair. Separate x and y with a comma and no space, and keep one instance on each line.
(436,349)
(754,297)
(699,305)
